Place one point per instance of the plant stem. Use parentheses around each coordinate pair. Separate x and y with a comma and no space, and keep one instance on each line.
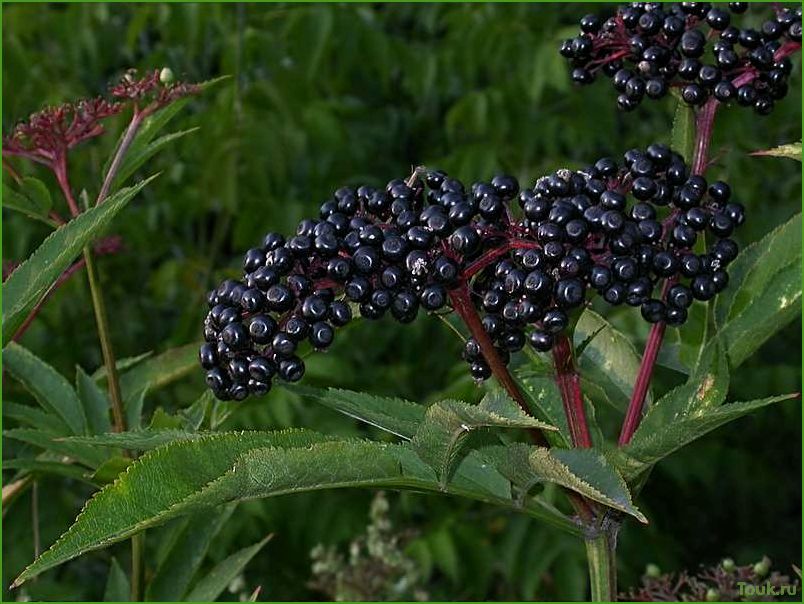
(102,321)
(117,161)
(60,170)
(462,304)
(137,556)
(704,125)
(601,558)
(569,385)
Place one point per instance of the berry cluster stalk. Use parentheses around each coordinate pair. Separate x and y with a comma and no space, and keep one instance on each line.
(569,385)
(704,123)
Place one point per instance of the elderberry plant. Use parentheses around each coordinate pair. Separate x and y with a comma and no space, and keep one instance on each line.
(527,276)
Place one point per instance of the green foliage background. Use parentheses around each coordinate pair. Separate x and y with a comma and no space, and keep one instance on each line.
(325,95)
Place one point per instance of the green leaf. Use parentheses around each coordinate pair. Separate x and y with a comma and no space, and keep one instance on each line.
(31,279)
(159,370)
(110,469)
(35,418)
(791,151)
(44,466)
(609,360)
(19,202)
(138,155)
(226,467)
(48,386)
(545,403)
(585,471)
(81,453)
(765,293)
(441,438)
(118,588)
(141,497)
(705,390)
(683,136)
(650,447)
(133,405)
(212,585)
(135,440)
(94,401)
(394,415)
(38,194)
(186,553)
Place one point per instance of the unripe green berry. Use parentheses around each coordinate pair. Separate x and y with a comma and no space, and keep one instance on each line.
(166,75)
(762,567)
(712,595)
(728,565)
(653,571)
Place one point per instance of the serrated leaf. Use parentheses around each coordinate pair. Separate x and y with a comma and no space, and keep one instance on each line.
(585,471)
(609,360)
(790,151)
(118,588)
(134,440)
(705,390)
(595,473)
(181,562)
(94,401)
(650,447)
(218,579)
(141,497)
(394,415)
(227,467)
(35,418)
(31,279)
(683,135)
(441,438)
(50,389)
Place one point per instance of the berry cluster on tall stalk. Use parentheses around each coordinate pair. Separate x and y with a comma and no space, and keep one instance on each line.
(698,48)
(528,260)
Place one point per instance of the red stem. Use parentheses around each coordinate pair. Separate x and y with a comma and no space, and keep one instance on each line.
(60,170)
(704,124)
(462,304)
(569,384)
(35,310)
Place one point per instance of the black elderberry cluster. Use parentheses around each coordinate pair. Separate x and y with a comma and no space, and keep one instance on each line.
(649,47)
(524,265)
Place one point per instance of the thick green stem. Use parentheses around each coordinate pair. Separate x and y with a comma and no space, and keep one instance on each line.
(102,321)
(137,556)
(602,560)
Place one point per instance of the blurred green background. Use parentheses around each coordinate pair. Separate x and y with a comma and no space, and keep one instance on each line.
(326,95)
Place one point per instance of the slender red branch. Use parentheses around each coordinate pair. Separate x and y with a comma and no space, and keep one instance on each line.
(77,266)
(569,384)
(704,124)
(60,170)
(462,304)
